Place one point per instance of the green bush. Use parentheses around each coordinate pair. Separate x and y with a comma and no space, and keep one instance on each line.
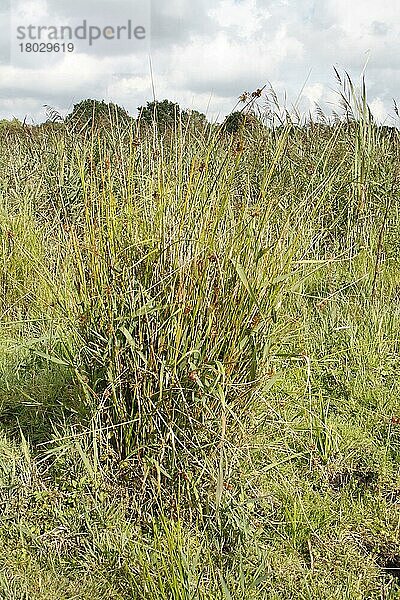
(88,114)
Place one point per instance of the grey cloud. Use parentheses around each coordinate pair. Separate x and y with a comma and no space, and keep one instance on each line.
(5,26)
(97,13)
(379,28)
(166,26)
(170,29)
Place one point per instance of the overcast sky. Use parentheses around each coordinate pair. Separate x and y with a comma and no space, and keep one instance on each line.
(204,53)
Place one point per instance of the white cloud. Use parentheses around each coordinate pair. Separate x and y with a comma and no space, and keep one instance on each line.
(244,18)
(314,93)
(226,60)
(31,11)
(378,110)
(356,17)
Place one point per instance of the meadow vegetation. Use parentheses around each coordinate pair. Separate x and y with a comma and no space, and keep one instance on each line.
(199,358)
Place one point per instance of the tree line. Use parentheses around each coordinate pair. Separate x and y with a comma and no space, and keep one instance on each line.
(97,114)
(90,113)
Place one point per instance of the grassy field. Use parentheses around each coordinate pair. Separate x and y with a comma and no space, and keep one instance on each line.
(199,358)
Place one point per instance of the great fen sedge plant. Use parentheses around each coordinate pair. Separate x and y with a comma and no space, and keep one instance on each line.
(176,270)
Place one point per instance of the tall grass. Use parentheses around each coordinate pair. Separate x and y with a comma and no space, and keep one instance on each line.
(157,287)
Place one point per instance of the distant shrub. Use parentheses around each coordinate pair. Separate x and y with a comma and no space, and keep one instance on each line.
(13,125)
(238,121)
(194,118)
(166,113)
(94,113)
